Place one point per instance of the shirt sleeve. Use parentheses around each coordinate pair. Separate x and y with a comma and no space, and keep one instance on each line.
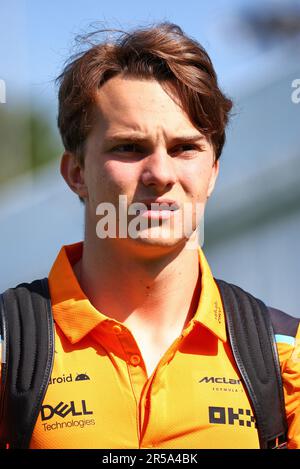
(289,355)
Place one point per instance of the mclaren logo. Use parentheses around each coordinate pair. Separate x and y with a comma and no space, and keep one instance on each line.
(219,380)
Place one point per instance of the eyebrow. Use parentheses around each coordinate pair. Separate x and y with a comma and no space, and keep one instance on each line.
(138,137)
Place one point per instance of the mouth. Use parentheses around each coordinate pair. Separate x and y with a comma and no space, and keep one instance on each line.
(160,204)
(159,208)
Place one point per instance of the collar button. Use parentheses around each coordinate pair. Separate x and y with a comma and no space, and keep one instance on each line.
(135,360)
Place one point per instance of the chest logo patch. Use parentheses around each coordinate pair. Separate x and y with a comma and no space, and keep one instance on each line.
(69,378)
(229,416)
(82,377)
(62,410)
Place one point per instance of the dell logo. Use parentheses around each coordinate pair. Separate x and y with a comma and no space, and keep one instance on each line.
(62,410)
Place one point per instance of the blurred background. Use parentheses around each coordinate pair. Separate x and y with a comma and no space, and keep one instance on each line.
(252,222)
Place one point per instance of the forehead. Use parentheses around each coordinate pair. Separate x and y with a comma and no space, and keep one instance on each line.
(141,105)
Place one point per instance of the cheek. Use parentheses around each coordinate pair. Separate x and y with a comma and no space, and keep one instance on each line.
(115,178)
(195,182)
(120,174)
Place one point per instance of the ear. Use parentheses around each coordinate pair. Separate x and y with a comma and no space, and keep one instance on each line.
(73,173)
(213,178)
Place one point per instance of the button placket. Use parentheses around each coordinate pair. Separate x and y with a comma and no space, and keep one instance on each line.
(128,344)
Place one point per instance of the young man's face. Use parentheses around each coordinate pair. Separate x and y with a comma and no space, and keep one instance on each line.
(143,146)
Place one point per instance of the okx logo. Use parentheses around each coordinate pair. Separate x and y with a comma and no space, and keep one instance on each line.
(229,416)
(62,410)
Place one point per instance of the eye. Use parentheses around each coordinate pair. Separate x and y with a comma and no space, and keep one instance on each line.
(187,149)
(127,148)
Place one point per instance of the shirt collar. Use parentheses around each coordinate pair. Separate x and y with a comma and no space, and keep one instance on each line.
(72,310)
(210,312)
(76,316)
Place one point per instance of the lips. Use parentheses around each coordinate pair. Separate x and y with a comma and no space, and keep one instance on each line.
(159,208)
(160,204)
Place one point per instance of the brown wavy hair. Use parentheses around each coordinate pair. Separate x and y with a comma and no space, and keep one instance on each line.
(162,52)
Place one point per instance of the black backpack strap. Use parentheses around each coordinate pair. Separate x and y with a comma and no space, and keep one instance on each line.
(253,345)
(28,342)
(282,323)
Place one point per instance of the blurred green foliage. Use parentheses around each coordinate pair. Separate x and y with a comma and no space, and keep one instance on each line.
(28,140)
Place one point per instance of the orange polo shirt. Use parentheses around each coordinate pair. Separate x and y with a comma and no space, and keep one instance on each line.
(100,395)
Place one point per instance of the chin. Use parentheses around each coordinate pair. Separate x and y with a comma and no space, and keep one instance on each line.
(160,239)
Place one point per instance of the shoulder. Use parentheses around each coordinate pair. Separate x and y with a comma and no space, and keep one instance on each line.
(235,297)
(35,286)
(287,336)
(18,296)
(283,324)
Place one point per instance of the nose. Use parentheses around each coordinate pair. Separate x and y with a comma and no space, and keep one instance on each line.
(159,171)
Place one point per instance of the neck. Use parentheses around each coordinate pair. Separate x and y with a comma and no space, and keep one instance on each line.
(159,290)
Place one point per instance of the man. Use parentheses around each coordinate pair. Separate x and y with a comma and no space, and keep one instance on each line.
(142,357)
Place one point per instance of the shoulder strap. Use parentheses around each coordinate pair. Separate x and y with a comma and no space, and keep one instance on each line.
(283,324)
(28,343)
(253,345)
